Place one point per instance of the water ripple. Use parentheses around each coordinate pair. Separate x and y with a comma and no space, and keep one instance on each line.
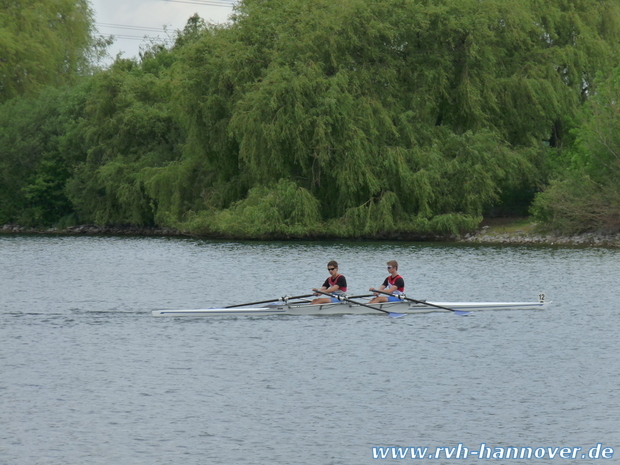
(88,376)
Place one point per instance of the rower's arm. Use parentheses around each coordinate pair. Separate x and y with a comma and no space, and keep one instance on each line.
(391,289)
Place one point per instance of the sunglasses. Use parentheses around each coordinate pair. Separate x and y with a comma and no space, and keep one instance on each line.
(389,267)
(331,269)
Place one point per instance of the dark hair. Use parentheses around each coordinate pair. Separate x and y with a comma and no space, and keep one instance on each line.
(333,263)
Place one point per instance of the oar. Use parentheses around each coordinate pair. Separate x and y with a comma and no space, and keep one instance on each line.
(284,299)
(456,312)
(342,297)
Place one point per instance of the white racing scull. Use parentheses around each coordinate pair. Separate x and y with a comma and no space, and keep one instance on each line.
(284,306)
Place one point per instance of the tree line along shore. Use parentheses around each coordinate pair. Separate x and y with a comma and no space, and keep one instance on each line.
(350,119)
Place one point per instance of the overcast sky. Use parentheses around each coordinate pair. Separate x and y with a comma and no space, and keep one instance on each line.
(131,20)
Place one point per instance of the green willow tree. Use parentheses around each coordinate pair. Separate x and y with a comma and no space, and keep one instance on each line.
(393,115)
(128,131)
(334,117)
(585,196)
(86,153)
(92,152)
(33,170)
(43,42)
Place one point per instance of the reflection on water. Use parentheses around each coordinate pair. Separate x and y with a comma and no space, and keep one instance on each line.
(88,376)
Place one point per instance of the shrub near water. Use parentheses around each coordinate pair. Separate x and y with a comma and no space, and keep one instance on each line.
(284,210)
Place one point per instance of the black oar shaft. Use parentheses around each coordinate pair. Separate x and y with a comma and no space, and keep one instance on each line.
(419,301)
(268,301)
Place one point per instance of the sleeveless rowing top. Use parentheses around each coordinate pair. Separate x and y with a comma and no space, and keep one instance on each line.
(392,282)
(334,281)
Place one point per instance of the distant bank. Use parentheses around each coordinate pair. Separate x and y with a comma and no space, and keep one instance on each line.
(520,231)
(524,231)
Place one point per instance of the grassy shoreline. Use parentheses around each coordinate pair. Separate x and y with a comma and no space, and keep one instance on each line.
(525,231)
(491,231)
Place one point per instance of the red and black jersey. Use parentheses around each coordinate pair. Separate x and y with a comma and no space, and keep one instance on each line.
(397,281)
(339,281)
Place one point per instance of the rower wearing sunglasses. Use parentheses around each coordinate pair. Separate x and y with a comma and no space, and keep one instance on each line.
(335,284)
(394,284)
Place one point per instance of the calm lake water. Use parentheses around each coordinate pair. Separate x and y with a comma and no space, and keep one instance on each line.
(88,376)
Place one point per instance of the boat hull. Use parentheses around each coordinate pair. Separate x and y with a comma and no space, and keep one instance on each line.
(347,308)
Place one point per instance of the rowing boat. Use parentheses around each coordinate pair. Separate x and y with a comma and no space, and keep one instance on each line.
(285,307)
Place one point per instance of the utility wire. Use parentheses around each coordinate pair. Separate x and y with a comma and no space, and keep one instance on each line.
(216,3)
(134,28)
(221,3)
(130,37)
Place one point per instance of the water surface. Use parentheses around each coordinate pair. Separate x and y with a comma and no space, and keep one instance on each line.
(87,375)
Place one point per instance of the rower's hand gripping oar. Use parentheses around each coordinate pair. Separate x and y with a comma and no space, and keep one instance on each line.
(456,312)
(342,297)
(281,299)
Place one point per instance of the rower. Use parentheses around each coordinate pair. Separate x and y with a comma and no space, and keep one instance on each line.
(336,284)
(394,284)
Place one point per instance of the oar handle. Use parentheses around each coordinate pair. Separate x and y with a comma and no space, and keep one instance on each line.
(417,301)
(400,296)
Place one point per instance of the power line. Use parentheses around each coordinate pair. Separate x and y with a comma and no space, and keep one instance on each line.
(134,28)
(129,37)
(221,3)
(168,40)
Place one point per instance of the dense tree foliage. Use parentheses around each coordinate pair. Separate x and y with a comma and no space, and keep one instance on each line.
(331,117)
(33,169)
(586,194)
(128,131)
(42,42)
(432,108)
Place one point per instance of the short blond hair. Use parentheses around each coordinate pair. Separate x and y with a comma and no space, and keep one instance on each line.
(393,263)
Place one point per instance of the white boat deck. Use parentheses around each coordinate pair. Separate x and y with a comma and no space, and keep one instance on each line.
(348,308)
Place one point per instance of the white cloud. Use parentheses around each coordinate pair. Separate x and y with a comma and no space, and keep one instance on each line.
(148,18)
